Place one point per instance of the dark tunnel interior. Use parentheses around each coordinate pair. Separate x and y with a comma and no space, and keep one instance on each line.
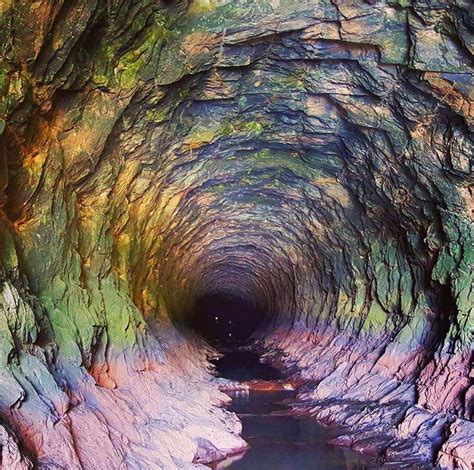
(224,320)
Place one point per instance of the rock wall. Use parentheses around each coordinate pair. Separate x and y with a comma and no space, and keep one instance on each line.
(312,158)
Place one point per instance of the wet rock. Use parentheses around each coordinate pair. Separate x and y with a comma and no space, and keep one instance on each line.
(312,159)
(458,449)
(11,456)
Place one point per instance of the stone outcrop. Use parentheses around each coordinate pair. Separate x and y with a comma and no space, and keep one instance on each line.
(312,158)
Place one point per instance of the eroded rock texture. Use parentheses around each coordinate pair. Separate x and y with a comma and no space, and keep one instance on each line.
(310,157)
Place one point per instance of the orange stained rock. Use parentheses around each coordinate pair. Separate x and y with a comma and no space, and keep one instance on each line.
(268,385)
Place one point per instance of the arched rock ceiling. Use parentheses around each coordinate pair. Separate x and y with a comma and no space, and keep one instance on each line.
(309,157)
(295,150)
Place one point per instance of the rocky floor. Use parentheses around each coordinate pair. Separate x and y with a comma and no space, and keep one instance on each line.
(379,413)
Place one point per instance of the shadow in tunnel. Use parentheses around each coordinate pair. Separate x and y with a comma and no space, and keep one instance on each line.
(224,321)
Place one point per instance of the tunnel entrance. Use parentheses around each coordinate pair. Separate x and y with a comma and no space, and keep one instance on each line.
(224,320)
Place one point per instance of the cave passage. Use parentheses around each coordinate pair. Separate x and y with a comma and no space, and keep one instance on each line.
(224,320)
(289,176)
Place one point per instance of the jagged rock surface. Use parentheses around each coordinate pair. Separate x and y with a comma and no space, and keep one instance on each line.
(313,158)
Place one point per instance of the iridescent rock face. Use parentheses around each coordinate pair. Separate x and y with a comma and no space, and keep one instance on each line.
(309,159)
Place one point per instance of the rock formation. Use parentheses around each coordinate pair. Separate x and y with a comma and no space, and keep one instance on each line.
(311,158)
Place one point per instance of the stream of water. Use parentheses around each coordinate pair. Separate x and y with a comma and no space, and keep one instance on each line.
(277,442)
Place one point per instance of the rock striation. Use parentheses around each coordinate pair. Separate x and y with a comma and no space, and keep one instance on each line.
(312,158)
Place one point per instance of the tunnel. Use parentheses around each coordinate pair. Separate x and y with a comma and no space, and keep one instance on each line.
(183,178)
(224,320)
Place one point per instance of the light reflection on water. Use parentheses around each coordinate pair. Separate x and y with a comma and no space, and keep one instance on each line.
(279,442)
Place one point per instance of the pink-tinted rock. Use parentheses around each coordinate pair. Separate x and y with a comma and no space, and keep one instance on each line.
(11,456)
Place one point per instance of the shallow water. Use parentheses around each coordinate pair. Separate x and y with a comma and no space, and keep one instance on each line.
(278,442)
(244,365)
